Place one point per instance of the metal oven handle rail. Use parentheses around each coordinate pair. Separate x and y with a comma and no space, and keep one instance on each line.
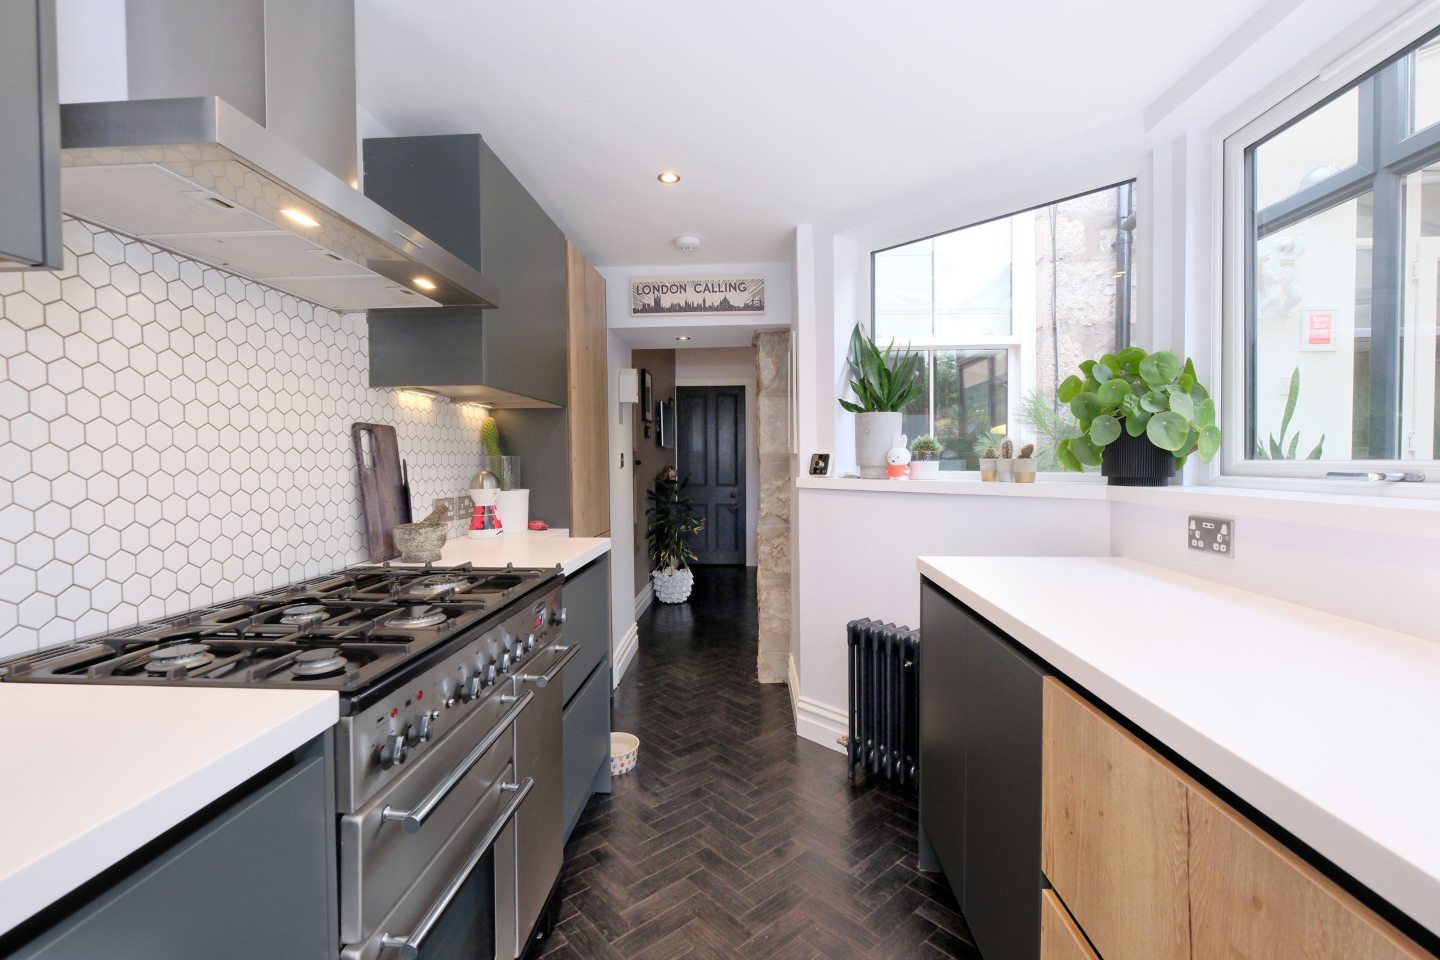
(413,820)
(409,946)
(543,680)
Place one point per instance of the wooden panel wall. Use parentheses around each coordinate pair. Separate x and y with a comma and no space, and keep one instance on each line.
(588,398)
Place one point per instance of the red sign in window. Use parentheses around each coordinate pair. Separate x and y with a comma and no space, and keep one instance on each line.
(1320,328)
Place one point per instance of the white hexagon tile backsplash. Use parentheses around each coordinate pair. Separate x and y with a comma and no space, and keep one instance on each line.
(172,435)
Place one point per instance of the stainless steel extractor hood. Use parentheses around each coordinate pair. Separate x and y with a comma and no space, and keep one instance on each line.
(236,145)
(199,177)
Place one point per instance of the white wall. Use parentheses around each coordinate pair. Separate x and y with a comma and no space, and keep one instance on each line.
(1172,149)
(730,366)
(622,515)
(856,555)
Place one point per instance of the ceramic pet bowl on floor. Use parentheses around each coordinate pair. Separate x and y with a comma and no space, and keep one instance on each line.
(624,751)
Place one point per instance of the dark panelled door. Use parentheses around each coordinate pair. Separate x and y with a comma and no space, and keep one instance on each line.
(710,454)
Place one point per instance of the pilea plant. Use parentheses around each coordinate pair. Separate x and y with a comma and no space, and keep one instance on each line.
(1151,394)
(925,447)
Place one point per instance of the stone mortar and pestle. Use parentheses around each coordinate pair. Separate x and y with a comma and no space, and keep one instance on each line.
(420,542)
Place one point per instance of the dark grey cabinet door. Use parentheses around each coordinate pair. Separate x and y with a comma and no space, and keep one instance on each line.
(711,459)
(587,742)
(942,721)
(587,621)
(1003,719)
(30,141)
(258,880)
(980,773)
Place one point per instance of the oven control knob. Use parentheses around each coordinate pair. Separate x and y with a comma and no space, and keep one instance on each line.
(504,663)
(422,727)
(447,690)
(489,673)
(530,642)
(471,689)
(392,751)
(518,651)
(558,616)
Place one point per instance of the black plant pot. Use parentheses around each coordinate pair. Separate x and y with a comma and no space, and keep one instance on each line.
(1136,462)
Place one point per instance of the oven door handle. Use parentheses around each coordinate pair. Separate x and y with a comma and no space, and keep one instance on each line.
(543,679)
(409,947)
(413,820)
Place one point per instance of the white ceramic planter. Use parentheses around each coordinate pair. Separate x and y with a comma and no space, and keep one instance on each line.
(1004,469)
(988,469)
(874,435)
(673,586)
(924,469)
(1024,470)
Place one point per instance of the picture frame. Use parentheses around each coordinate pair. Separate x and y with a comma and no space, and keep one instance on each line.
(647,398)
(665,413)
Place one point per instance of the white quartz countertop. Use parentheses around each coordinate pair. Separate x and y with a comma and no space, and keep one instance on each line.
(1329,726)
(93,773)
(531,548)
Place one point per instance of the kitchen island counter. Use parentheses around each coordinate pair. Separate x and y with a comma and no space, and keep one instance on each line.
(96,772)
(1326,725)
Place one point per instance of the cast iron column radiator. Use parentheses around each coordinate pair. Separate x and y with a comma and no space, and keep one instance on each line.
(884,735)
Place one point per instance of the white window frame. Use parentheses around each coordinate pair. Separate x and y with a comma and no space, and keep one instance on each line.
(1236,464)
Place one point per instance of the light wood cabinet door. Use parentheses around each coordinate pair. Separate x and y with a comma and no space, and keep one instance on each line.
(588,405)
(1115,840)
(1253,899)
(1060,938)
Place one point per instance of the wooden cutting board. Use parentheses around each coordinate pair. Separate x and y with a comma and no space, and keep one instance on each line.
(377,457)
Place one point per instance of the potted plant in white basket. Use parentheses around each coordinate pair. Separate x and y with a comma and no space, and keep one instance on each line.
(670,523)
(925,458)
(884,382)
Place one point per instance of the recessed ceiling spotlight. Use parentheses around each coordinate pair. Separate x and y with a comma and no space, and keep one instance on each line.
(668,177)
(424,283)
(682,338)
(300,217)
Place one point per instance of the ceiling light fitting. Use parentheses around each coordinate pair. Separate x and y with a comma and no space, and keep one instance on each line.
(686,243)
(424,283)
(669,178)
(682,338)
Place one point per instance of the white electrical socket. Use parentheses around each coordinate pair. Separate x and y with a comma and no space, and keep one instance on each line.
(1212,535)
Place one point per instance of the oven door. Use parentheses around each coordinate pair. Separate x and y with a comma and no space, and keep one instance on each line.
(462,906)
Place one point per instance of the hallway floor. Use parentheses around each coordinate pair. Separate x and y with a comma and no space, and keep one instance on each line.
(733,837)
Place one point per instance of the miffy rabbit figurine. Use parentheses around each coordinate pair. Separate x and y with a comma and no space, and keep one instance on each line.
(897,459)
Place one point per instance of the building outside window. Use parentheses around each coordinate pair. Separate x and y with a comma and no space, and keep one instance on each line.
(1335,277)
(1004,310)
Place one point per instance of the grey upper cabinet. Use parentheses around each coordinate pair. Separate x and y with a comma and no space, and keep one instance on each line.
(30,143)
(455,190)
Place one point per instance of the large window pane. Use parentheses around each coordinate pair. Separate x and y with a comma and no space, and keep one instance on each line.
(1425,86)
(905,291)
(1306,153)
(1419,438)
(1311,283)
(972,282)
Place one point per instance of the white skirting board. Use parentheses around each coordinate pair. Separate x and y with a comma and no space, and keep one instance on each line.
(644,598)
(816,721)
(625,651)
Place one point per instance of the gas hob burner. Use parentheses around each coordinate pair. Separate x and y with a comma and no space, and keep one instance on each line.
(437,583)
(304,615)
(320,662)
(183,655)
(420,615)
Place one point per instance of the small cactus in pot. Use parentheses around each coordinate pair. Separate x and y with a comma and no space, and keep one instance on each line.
(1024,466)
(925,458)
(989,464)
(1006,459)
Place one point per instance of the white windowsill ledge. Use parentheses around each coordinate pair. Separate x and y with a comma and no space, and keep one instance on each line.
(1409,517)
(968,484)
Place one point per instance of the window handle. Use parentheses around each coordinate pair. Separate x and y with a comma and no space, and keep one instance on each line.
(1407,477)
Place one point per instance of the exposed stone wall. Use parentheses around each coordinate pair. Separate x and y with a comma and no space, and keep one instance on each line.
(772,425)
(1084,274)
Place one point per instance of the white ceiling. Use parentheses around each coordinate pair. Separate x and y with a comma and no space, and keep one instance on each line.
(775,113)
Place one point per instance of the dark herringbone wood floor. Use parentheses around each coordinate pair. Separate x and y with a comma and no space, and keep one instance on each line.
(733,837)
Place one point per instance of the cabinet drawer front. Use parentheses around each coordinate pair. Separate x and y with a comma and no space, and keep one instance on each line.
(587,604)
(1115,837)
(1252,899)
(587,743)
(1060,938)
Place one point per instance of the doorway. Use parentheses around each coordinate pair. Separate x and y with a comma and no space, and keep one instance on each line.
(710,457)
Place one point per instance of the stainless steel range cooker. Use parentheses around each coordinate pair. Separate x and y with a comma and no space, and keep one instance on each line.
(448,755)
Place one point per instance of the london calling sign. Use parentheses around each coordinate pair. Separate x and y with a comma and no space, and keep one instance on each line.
(708,296)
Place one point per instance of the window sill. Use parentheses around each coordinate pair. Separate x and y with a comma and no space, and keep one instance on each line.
(969,484)
(1326,504)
